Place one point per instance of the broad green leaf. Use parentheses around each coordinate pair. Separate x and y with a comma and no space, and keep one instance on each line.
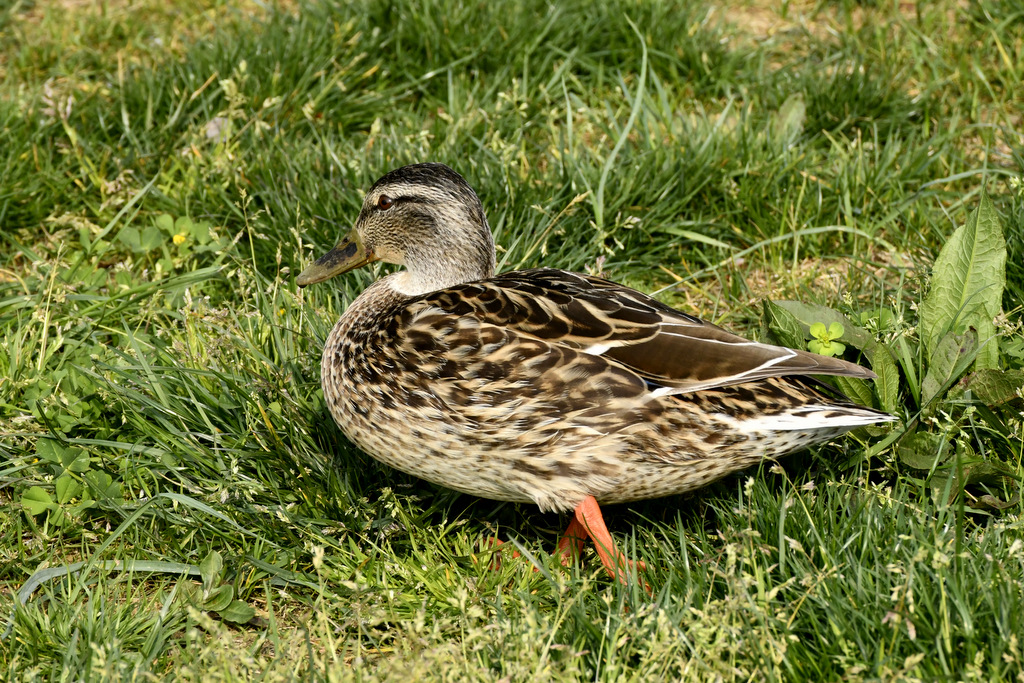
(923,450)
(782,327)
(1013,346)
(884,316)
(151,238)
(996,387)
(951,357)
(906,356)
(82,506)
(951,476)
(66,488)
(201,232)
(65,421)
(59,517)
(166,223)
(36,500)
(967,285)
(49,450)
(992,477)
(857,389)
(210,569)
(131,238)
(219,598)
(75,460)
(82,382)
(888,381)
(238,613)
(809,314)
(103,485)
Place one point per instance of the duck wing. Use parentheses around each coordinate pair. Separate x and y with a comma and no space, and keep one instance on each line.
(676,352)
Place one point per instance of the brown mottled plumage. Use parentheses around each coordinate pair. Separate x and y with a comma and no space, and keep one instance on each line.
(546,386)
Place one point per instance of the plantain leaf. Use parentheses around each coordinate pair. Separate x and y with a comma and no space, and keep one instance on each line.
(967,285)
(782,326)
(996,387)
(237,613)
(999,487)
(923,450)
(219,598)
(951,357)
(210,569)
(888,381)
(856,389)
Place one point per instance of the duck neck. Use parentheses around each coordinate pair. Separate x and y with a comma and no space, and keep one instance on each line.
(412,283)
(446,266)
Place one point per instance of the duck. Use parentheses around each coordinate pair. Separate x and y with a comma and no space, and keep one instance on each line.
(545,386)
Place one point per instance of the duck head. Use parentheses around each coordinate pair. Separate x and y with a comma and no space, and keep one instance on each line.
(425,217)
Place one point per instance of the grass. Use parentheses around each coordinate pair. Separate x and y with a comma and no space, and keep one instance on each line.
(166,168)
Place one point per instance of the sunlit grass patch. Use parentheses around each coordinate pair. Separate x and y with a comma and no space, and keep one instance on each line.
(166,168)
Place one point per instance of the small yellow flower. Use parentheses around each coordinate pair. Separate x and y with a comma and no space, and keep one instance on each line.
(179,239)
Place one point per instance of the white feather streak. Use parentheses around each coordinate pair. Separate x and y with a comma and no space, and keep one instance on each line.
(597,349)
(810,418)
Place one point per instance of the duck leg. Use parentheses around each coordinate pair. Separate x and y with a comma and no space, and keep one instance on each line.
(588,522)
(572,541)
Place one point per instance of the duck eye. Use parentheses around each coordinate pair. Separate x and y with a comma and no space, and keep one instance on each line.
(385,202)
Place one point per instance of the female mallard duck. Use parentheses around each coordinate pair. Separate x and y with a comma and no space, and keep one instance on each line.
(546,386)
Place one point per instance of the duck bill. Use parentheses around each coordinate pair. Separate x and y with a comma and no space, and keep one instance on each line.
(348,255)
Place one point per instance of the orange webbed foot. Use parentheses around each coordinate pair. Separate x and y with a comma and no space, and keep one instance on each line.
(497,547)
(587,522)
